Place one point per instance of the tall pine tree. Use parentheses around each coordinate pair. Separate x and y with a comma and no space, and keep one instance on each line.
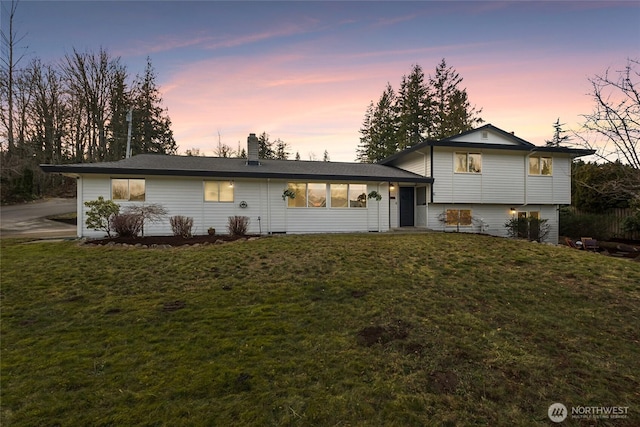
(413,109)
(379,129)
(452,113)
(435,109)
(151,125)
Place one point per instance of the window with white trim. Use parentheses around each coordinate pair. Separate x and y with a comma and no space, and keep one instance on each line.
(128,189)
(467,163)
(456,217)
(315,195)
(218,191)
(540,165)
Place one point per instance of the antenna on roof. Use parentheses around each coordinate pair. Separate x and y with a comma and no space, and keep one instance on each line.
(129,119)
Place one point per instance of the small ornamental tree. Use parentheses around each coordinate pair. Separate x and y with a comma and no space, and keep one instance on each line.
(153,212)
(100,213)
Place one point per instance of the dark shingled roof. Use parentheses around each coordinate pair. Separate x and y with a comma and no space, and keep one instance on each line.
(158,164)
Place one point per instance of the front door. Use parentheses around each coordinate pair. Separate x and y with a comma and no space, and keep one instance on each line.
(407,205)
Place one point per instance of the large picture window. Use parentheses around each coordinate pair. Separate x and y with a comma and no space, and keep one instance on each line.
(339,195)
(468,163)
(314,195)
(300,190)
(540,166)
(128,189)
(357,195)
(218,191)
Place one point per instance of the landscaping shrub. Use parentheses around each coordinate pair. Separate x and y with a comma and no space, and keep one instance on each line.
(100,213)
(578,225)
(238,225)
(631,224)
(181,225)
(152,212)
(127,225)
(528,228)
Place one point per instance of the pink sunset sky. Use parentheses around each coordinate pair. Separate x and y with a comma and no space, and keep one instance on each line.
(305,72)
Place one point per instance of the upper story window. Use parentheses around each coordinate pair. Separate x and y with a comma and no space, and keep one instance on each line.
(128,189)
(468,163)
(218,191)
(540,165)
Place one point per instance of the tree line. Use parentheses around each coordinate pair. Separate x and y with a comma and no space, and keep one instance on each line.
(74,110)
(433,107)
(267,149)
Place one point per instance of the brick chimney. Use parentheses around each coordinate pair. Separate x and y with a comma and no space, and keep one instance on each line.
(252,150)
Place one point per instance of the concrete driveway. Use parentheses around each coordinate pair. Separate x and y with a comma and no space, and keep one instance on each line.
(30,219)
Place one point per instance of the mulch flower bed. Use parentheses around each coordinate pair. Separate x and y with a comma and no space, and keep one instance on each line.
(155,241)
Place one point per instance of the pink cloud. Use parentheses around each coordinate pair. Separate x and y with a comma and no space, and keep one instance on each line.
(316,102)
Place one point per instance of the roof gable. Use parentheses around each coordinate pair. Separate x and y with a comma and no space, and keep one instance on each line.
(490,135)
(496,138)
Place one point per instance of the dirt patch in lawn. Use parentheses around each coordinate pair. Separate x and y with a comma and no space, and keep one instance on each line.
(150,241)
(396,330)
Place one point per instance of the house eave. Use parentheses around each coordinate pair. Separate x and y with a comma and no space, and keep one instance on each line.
(79,170)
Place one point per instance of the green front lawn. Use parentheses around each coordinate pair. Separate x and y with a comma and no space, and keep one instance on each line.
(325,330)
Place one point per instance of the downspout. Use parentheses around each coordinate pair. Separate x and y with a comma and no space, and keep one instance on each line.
(378,190)
(431,154)
(268,205)
(79,207)
(426,206)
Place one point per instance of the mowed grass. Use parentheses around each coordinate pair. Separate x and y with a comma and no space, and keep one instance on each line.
(319,330)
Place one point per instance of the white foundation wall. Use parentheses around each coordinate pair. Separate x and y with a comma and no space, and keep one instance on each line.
(490,219)
(264,206)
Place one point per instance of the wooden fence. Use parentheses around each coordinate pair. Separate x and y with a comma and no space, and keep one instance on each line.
(612,220)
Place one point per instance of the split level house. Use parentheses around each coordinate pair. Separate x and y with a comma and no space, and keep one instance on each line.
(472,182)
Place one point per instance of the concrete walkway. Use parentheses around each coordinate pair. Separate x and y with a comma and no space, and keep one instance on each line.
(30,219)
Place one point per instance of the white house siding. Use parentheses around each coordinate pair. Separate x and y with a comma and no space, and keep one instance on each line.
(491,218)
(501,181)
(502,177)
(185,196)
(555,188)
(378,212)
(492,138)
(417,162)
(394,207)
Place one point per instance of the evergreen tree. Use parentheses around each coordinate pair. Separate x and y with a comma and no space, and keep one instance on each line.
(265,147)
(281,151)
(413,108)
(379,130)
(325,156)
(119,102)
(151,125)
(451,112)
(558,135)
